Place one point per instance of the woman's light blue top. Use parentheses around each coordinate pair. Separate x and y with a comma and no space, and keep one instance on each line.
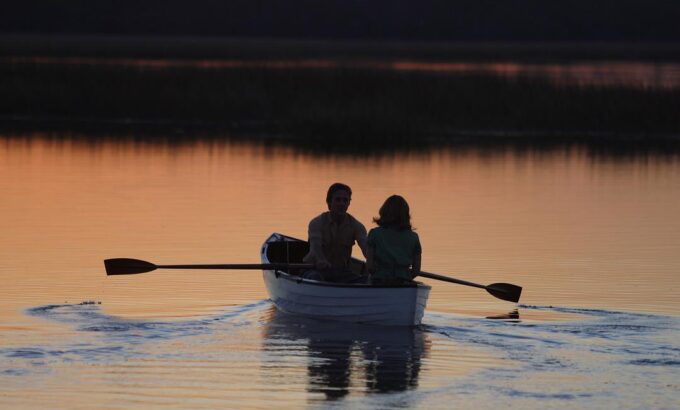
(393,251)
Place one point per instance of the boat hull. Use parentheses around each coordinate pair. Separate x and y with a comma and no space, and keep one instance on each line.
(356,303)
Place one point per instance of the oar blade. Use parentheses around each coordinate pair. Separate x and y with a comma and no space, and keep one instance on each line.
(505,291)
(127,266)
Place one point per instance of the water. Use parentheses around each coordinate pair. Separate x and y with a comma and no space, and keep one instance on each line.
(592,238)
(639,74)
(252,357)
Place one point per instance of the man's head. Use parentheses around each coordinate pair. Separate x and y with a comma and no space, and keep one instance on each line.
(338,198)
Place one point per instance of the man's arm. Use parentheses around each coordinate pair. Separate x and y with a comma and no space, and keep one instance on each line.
(361,239)
(316,246)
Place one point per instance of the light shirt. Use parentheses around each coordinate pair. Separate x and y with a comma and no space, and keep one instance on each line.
(335,240)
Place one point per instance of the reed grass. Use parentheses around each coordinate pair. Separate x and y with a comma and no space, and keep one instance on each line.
(331,106)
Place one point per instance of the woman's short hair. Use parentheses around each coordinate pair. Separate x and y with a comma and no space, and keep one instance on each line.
(335,188)
(394,213)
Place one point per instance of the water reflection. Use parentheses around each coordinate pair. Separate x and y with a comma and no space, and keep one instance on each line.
(466,144)
(342,357)
(563,223)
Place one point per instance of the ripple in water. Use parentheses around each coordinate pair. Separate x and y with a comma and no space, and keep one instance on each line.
(252,356)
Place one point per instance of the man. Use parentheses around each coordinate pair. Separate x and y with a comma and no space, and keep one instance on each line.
(332,236)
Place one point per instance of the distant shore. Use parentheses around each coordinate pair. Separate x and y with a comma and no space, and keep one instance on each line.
(338,106)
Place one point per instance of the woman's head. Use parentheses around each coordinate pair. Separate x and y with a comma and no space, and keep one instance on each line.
(394,213)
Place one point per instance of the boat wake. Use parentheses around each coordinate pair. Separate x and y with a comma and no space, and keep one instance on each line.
(602,359)
(98,337)
(608,358)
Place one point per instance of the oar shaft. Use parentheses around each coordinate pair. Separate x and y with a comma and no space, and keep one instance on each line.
(449,279)
(127,266)
(244,266)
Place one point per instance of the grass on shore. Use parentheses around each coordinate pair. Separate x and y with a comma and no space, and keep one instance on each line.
(332,106)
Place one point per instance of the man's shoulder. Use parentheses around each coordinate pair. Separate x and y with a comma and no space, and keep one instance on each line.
(355,222)
(358,228)
(319,219)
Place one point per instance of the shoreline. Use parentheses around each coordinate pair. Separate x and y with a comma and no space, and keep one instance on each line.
(341,107)
(167,132)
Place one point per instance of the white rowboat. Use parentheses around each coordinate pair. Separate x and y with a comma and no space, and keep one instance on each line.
(391,305)
(402,305)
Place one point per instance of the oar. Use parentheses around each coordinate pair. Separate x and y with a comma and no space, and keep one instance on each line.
(505,291)
(126,266)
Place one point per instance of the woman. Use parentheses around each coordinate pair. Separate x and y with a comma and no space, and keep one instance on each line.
(393,252)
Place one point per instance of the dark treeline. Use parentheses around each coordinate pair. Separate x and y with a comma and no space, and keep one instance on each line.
(329,107)
(404,20)
(18,46)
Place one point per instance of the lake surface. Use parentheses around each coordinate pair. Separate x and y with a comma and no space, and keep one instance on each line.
(593,238)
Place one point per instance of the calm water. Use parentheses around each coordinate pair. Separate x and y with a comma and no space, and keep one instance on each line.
(594,240)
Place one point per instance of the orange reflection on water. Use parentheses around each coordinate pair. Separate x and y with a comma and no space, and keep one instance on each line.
(574,231)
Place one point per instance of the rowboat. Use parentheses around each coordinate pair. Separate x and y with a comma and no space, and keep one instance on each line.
(282,268)
(396,305)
